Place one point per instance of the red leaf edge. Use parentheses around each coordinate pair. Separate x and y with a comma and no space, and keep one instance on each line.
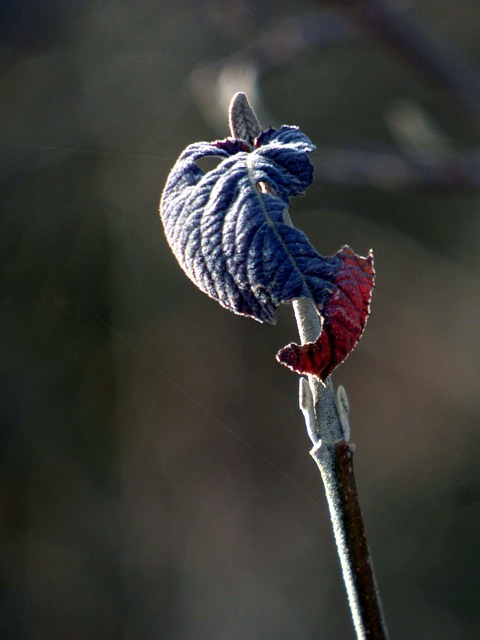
(343,316)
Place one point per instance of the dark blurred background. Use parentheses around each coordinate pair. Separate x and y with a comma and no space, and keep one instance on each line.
(155,479)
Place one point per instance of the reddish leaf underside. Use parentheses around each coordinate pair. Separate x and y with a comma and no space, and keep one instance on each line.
(344,316)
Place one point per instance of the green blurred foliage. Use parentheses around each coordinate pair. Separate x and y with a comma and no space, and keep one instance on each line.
(155,478)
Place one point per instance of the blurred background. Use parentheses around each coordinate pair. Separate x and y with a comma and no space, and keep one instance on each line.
(155,478)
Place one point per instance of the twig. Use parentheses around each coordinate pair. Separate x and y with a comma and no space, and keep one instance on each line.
(327,424)
(444,66)
(389,167)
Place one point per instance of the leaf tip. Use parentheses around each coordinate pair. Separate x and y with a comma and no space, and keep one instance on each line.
(243,121)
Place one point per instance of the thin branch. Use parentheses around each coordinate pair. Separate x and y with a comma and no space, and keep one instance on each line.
(328,427)
(392,168)
(445,66)
(326,418)
(335,462)
(327,424)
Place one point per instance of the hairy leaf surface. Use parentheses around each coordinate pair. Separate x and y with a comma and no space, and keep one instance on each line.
(228,231)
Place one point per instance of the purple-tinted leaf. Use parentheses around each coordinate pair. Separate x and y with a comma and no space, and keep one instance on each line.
(227,230)
(229,236)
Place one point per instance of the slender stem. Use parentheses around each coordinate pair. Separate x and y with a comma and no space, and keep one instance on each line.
(335,462)
(329,427)
(326,417)
(333,454)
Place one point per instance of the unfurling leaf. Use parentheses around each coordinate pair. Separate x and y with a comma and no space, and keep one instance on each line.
(228,230)
(344,316)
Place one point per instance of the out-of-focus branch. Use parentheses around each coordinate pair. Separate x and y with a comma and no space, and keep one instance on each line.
(214,84)
(391,168)
(415,45)
(395,167)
